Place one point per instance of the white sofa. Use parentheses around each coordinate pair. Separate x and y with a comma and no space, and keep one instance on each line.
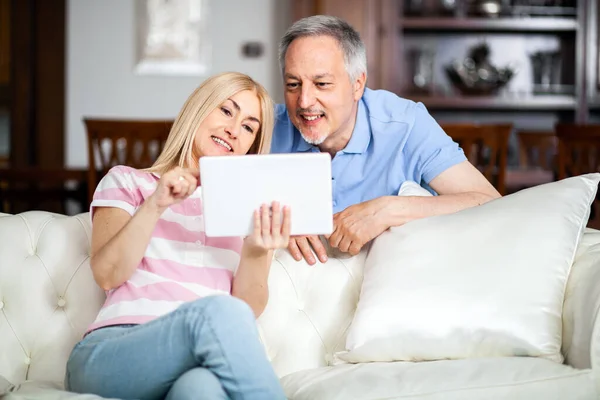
(48,297)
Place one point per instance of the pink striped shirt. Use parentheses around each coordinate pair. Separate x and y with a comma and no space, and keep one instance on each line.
(180,263)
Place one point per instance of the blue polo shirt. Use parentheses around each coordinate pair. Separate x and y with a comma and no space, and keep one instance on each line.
(394,140)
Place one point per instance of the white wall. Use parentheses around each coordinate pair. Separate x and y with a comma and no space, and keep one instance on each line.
(101,56)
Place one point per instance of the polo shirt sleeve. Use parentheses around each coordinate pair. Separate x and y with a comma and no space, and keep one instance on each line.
(118,188)
(429,151)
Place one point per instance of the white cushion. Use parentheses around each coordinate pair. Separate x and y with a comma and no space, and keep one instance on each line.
(410,188)
(510,378)
(486,281)
(46,390)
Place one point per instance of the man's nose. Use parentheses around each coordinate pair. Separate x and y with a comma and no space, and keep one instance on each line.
(307,97)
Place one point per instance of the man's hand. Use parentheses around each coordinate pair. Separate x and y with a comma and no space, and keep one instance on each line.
(357,225)
(300,246)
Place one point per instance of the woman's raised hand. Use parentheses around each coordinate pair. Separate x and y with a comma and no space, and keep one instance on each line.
(271,231)
(175,186)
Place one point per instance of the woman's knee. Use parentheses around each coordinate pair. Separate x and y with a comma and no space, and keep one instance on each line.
(197,383)
(224,307)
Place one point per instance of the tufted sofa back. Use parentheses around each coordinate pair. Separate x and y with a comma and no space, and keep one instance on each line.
(48,298)
(47,293)
(310,310)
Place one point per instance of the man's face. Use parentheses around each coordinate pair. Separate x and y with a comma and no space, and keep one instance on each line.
(319,96)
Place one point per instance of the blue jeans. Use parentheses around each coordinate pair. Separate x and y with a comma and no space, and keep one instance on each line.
(205,349)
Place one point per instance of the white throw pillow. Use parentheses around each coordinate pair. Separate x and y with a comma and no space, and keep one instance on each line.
(486,281)
(410,188)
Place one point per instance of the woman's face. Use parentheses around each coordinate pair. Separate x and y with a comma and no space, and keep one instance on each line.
(231,128)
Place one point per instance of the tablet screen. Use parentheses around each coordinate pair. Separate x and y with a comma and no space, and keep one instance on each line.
(234,186)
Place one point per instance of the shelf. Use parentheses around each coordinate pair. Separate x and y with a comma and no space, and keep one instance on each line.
(594,105)
(533,24)
(528,103)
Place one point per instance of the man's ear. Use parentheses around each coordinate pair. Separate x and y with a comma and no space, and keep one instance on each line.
(359,86)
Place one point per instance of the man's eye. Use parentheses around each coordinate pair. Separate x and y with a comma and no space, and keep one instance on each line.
(292,85)
(226,111)
(323,84)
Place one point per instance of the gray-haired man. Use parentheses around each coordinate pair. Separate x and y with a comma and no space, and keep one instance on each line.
(376,139)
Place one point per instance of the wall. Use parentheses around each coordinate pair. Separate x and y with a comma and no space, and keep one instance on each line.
(101,56)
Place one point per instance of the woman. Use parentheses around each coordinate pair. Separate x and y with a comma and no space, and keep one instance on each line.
(169,328)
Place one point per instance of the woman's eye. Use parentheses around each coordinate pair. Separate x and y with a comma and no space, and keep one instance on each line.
(226,111)
(248,128)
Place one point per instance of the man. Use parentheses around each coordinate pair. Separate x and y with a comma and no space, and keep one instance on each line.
(376,139)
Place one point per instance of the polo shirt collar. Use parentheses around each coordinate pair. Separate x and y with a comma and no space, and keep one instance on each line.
(361,135)
(303,145)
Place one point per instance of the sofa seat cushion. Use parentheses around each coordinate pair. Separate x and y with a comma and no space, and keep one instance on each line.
(511,378)
(46,390)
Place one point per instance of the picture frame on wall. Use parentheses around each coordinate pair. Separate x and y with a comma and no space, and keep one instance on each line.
(172,37)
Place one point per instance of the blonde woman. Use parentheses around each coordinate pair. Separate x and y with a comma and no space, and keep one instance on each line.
(177,322)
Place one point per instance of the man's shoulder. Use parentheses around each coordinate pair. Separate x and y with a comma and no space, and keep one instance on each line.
(281,114)
(283,131)
(387,107)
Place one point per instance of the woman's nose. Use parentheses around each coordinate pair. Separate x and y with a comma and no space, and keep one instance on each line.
(233,129)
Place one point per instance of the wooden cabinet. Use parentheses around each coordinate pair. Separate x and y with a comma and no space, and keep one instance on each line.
(36,88)
(4,51)
(514,38)
(4,42)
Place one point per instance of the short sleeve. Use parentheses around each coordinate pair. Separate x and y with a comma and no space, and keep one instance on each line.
(428,149)
(117,189)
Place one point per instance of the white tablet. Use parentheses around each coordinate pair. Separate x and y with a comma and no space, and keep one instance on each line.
(234,186)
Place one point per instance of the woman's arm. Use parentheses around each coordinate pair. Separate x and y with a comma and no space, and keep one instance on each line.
(250,282)
(119,241)
(270,233)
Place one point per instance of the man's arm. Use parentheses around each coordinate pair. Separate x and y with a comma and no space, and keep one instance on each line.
(459,187)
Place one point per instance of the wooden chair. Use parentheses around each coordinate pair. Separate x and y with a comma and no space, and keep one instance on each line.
(538,150)
(579,153)
(486,147)
(537,160)
(122,142)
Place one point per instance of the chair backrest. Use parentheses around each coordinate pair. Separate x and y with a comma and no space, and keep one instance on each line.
(135,143)
(579,153)
(486,147)
(578,149)
(538,149)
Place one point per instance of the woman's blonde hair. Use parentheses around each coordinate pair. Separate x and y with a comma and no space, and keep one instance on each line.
(213,92)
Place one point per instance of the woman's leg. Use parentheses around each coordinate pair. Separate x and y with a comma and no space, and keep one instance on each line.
(217,333)
(197,384)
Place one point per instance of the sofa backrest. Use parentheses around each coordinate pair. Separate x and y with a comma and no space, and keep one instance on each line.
(310,310)
(47,293)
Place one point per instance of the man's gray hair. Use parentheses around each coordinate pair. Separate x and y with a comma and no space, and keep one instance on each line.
(355,54)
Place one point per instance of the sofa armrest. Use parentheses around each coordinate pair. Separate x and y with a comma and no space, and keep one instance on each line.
(581,322)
